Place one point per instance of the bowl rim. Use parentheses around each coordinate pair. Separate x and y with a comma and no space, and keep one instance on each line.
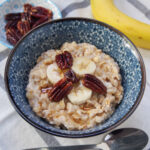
(8,45)
(136,53)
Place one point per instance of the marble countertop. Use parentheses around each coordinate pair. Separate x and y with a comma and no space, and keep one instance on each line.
(16,134)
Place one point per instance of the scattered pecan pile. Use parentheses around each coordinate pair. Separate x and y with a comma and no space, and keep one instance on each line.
(18,24)
(65,85)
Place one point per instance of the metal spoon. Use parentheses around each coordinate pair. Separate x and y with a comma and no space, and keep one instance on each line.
(120,139)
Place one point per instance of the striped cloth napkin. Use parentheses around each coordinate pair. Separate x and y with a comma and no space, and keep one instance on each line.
(16,134)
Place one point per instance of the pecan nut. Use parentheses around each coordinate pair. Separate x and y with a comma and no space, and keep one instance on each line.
(71,76)
(64,60)
(27,8)
(11,24)
(13,16)
(26,17)
(60,90)
(23,27)
(40,12)
(40,21)
(33,21)
(11,38)
(93,83)
(13,35)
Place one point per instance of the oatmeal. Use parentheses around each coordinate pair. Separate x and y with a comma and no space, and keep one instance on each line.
(76,87)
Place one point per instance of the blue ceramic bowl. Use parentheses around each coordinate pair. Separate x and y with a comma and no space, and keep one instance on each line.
(52,35)
(12,6)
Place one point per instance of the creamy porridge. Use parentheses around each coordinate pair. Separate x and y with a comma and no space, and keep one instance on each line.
(77,93)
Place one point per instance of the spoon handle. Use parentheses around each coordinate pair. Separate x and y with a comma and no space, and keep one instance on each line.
(76,147)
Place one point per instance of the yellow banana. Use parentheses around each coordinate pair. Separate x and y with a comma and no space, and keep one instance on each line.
(106,11)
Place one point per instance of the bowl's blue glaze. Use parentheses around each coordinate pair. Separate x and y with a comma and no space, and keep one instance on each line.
(12,6)
(51,36)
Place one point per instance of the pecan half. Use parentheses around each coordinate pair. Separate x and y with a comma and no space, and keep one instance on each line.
(93,83)
(33,21)
(23,27)
(11,24)
(71,76)
(13,35)
(40,21)
(27,7)
(64,60)
(25,17)
(11,38)
(60,90)
(13,16)
(40,12)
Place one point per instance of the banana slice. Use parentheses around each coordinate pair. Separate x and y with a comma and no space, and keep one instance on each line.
(83,65)
(79,94)
(54,74)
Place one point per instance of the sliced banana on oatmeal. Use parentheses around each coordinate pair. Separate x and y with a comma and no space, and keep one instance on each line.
(54,74)
(79,94)
(83,65)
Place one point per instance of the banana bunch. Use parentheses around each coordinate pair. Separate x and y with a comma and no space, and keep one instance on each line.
(106,11)
(81,65)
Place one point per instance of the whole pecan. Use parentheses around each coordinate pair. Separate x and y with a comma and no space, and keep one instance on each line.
(93,83)
(60,90)
(64,60)
(71,76)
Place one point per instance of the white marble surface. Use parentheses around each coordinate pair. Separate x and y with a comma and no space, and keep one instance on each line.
(16,134)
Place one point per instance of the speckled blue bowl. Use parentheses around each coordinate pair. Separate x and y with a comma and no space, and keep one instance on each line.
(51,36)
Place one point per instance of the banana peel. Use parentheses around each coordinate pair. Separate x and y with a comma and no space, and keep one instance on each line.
(106,11)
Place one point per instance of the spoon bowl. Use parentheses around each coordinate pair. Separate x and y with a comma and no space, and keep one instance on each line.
(126,139)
